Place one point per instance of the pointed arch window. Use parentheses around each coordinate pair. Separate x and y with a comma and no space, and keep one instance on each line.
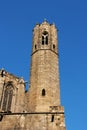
(45,38)
(7,99)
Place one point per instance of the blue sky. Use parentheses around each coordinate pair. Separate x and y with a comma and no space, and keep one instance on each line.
(17,19)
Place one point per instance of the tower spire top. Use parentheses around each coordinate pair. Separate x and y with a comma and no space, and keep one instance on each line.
(45,20)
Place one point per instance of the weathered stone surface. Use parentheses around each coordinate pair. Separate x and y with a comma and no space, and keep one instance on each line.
(32,122)
(44,90)
(18,92)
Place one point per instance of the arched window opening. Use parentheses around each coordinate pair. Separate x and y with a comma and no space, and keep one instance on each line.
(2,73)
(42,40)
(45,38)
(8,94)
(1,117)
(35,47)
(43,92)
(52,119)
(53,46)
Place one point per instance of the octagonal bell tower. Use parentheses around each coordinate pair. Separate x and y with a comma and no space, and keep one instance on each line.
(44,89)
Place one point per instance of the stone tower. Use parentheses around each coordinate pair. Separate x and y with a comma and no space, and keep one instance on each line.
(40,107)
(44,89)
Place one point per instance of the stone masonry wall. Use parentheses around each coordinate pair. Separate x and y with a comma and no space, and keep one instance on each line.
(17,104)
(39,121)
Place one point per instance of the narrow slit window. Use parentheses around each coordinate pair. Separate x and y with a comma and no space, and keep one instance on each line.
(2,73)
(1,117)
(42,40)
(53,46)
(52,119)
(43,92)
(35,47)
(46,40)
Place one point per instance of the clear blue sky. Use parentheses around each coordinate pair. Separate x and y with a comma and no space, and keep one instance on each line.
(17,19)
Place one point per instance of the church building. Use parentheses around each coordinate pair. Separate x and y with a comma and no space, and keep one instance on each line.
(39,108)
